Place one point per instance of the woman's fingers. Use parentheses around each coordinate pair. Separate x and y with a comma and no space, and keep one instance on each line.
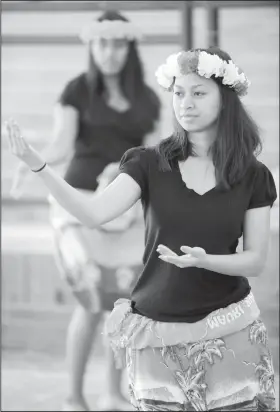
(9,134)
(23,144)
(186,249)
(16,142)
(18,139)
(193,251)
(16,129)
(187,260)
(164,250)
(175,260)
(179,261)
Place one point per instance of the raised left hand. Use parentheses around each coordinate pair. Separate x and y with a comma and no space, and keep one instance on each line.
(193,256)
(19,147)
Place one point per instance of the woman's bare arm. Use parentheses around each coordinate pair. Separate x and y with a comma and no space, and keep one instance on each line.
(105,206)
(113,201)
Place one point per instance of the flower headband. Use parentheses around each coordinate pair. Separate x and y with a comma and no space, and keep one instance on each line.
(110,29)
(204,64)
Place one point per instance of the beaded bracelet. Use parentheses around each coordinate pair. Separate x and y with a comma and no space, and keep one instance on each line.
(39,170)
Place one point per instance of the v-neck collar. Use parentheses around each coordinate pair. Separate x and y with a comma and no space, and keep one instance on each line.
(183,183)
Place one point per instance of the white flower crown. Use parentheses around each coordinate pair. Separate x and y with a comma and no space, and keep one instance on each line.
(204,64)
(110,29)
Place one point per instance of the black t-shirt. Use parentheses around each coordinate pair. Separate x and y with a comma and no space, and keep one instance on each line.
(99,141)
(175,216)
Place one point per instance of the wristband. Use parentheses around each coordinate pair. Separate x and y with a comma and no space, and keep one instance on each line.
(39,170)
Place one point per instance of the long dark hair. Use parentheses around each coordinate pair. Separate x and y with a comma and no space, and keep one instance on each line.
(236,146)
(144,102)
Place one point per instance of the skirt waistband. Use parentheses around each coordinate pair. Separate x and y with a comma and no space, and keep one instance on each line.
(127,329)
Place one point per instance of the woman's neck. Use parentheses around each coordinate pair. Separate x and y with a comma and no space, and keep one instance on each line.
(112,86)
(113,94)
(202,141)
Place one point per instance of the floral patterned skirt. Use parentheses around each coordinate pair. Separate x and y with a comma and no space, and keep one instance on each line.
(174,367)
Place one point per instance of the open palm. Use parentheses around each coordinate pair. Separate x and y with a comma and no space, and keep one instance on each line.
(193,257)
(20,148)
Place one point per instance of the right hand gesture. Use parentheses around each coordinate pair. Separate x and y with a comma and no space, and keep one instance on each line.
(20,148)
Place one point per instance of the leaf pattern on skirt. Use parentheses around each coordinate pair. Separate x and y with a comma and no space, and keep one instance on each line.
(206,350)
(265,372)
(194,369)
(258,333)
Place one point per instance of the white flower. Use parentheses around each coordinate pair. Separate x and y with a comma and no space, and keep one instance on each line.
(231,75)
(221,69)
(209,65)
(163,77)
(166,72)
(242,78)
(108,29)
(172,66)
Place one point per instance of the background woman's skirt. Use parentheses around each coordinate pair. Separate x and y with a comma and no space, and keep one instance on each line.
(103,262)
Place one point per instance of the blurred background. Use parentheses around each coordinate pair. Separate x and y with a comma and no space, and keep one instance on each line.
(40,53)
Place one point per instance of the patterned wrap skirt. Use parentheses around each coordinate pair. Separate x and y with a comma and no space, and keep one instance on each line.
(101,265)
(221,363)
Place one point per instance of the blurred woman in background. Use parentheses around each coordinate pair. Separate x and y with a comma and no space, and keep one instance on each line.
(100,114)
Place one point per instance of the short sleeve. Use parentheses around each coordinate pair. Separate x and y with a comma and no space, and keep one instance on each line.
(72,94)
(135,163)
(264,190)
